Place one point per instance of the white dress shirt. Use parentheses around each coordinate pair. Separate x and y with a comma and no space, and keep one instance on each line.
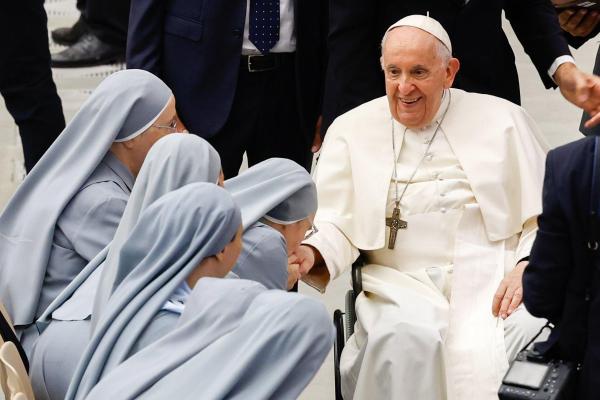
(287,34)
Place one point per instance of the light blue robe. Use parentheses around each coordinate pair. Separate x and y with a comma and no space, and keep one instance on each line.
(170,240)
(264,257)
(86,225)
(173,162)
(234,340)
(278,190)
(121,108)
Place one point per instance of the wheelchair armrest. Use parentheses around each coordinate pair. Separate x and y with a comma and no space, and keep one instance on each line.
(357,275)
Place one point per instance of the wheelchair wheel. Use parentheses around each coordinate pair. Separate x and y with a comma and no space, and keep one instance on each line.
(338,346)
(350,315)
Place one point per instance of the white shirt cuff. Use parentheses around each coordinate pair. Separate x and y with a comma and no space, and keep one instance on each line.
(557,63)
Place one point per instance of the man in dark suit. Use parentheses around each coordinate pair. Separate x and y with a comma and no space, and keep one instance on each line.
(26,78)
(562,281)
(475,28)
(243,84)
(579,26)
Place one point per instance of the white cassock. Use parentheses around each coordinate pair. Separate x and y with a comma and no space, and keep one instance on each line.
(424,324)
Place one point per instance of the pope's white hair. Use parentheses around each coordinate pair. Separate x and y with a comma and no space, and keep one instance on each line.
(442,51)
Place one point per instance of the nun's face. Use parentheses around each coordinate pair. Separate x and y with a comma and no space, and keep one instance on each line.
(137,148)
(294,233)
(219,265)
(232,251)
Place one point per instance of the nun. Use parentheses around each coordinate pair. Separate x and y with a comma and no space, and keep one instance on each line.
(234,338)
(174,161)
(278,200)
(68,208)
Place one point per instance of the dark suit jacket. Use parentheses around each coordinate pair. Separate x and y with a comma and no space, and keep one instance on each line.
(554,283)
(487,62)
(195,47)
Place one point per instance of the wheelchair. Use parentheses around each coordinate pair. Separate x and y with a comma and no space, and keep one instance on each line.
(344,322)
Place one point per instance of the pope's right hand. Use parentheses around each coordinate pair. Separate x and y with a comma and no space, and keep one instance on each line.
(304,256)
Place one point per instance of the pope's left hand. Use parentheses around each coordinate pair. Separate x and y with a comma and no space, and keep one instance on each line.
(510,292)
(581,89)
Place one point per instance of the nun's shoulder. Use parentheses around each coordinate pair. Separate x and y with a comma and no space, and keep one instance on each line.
(103,200)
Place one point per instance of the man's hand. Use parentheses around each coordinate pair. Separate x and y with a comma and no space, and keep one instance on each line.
(580,22)
(510,292)
(317,140)
(304,257)
(581,89)
(293,274)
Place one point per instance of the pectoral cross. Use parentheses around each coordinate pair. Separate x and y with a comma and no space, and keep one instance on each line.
(395,223)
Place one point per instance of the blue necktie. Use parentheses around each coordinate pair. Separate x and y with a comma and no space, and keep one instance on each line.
(264,24)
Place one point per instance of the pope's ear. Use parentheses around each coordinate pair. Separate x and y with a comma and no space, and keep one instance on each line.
(451,71)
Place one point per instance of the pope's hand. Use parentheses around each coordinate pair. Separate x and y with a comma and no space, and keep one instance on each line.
(510,292)
(581,89)
(304,257)
(580,22)
(293,274)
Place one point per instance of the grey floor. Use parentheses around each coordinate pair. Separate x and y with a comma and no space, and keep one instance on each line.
(557,119)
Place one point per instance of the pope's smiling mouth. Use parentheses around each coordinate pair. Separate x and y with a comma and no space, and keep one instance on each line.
(409,101)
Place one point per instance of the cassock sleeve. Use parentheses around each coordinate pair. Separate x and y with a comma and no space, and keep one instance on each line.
(546,277)
(336,249)
(526,239)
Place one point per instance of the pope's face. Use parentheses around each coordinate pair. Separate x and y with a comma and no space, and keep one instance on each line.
(415,75)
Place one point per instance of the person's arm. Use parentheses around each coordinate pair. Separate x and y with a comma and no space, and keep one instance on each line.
(145,35)
(353,73)
(536,25)
(509,294)
(545,279)
(325,256)
(579,25)
(97,227)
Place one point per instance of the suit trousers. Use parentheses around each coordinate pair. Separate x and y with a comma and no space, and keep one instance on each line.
(26,78)
(264,120)
(107,19)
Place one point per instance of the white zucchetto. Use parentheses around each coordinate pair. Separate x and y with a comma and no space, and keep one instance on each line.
(427,24)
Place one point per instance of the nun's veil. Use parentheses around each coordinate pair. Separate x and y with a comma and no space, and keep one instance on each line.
(123,106)
(171,238)
(277,189)
(173,161)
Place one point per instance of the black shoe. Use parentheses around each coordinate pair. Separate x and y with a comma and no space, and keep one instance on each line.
(69,36)
(87,52)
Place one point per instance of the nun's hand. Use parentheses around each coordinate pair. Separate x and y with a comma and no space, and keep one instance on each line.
(304,256)
(293,275)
